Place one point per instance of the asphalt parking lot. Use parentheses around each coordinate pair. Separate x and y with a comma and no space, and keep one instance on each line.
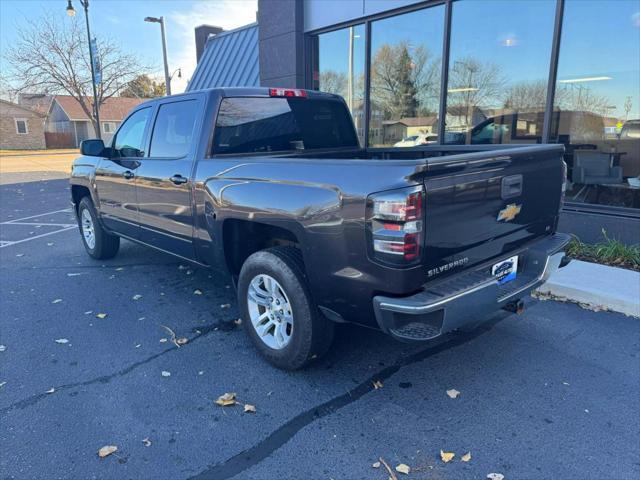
(552,394)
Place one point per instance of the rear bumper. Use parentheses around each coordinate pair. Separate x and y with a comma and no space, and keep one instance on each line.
(468,297)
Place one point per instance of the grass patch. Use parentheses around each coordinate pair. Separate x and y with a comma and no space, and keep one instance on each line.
(607,252)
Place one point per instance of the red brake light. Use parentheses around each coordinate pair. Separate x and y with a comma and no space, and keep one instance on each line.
(287,92)
(395,223)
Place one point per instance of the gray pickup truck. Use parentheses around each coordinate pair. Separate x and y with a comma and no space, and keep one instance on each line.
(272,187)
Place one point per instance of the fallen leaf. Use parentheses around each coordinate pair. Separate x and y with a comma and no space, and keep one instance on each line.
(165,373)
(238,321)
(249,408)
(377,384)
(163,340)
(447,456)
(2,384)
(453,393)
(101,315)
(62,340)
(495,476)
(73,274)
(51,390)
(197,292)
(181,341)
(57,300)
(146,442)
(49,244)
(107,450)
(225,305)
(376,465)
(88,312)
(226,400)
(119,269)
(2,348)
(403,468)
(137,297)
(466,457)
(19,254)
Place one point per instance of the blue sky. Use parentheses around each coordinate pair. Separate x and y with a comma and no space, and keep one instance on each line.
(123,21)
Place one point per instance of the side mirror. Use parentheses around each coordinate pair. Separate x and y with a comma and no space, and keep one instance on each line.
(92,148)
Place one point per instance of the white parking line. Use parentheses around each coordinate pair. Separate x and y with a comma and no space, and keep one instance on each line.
(10,243)
(35,216)
(41,224)
(21,221)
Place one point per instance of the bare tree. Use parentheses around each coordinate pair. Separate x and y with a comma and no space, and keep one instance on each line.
(526,96)
(7,92)
(52,56)
(473,83)
(333,82)
(582,99)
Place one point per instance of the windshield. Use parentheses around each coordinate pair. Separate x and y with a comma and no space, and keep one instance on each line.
(257,124)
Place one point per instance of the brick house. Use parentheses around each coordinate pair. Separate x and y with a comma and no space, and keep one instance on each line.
(20,128)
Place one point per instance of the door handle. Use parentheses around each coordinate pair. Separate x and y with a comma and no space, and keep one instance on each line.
(128,175)
(179,179)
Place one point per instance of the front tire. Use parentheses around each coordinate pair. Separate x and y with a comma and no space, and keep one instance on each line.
(277,310)
(97,242)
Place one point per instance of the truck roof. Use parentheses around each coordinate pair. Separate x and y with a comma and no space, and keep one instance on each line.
(242,92)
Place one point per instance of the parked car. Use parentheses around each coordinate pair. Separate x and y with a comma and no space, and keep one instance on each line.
(415,140)
(630,130)
(272,187)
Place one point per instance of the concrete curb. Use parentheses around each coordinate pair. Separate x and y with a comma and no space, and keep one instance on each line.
(595,286)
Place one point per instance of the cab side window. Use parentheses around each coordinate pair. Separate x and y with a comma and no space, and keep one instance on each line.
(129,141)
(173,130)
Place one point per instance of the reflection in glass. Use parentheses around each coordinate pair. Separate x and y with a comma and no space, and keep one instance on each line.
(405,78)
(339,69)
(498,71)
(597,101)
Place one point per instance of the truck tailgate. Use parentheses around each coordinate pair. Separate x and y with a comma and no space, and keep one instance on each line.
(484,205)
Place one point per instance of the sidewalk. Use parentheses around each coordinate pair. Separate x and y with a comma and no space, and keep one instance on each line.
(28,153)
(594,286)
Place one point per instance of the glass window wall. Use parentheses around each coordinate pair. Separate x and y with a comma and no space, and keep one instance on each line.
(597,101)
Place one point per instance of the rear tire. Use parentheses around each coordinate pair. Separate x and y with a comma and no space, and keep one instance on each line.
(278,312)
(97,242)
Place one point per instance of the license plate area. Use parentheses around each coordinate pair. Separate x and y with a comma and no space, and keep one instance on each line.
(506,270)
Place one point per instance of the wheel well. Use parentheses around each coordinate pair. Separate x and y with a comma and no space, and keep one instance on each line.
(78,192)
(243,238)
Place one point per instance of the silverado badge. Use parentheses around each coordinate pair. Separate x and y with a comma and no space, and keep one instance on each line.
(509,212)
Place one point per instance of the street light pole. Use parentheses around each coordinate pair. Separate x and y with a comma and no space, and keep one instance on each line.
(167,78)
(96,107)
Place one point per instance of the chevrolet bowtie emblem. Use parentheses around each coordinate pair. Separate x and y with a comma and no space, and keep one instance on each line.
(509,212)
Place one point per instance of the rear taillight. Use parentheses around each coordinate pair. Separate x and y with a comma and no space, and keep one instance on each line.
(395,225)
(564,183)
(287,92)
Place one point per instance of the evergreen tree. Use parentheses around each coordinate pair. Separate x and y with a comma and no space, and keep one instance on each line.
(406,101)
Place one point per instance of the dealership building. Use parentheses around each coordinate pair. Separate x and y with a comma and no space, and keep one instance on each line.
(465,72)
